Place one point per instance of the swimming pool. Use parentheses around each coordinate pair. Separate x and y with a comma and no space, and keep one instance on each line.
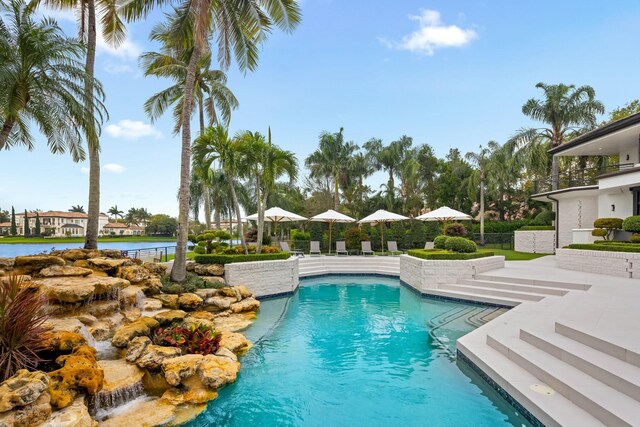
(356,351)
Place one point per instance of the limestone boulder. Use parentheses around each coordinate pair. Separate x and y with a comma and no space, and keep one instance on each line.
(141,327)
(231,291)
(22,389)
(32,264)
(102,308)
(220,302)
(178,368)
(76,254)
(131,314)
(69,324)
(170,316)
(63,341)
(24,279)
(136,274)
(136,347)
(108,264)
(152,286)
(111,253)
(216,371)
(30,415)
(79,373)
(234,322)
(6,264)
(76,289)
(215,280)
(149,304)
(148,413)
(130,295)
(155,268)
(206,269)
(153,356)
(189,301)
(64,271)
(247,304)
(225,352)
(86,319)
(118,376)
(74,415)
(168,300)
(234,341)
(191,392)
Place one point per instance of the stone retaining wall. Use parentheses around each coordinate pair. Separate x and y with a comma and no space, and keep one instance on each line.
(422,274)
(619,264)
(535,241)
(264,278)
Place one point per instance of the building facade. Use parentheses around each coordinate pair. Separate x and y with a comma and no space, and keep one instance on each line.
(58,223)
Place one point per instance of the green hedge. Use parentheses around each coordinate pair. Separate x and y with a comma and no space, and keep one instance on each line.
(629,247)
(613,242)
(230,259)
(537,228)
(435,254)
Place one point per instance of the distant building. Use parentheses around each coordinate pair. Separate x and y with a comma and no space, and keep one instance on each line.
(59,223)
(122,229)
(5,228)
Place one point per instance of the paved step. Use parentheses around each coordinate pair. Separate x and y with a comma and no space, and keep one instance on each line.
(536,282)
(547,290)
(600,342)
(603,402)
(611,371)
(476,297)
(529,296)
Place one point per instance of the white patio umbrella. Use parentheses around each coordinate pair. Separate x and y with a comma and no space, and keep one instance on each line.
(444,215)
(331,217)
(277,215)
(380,217)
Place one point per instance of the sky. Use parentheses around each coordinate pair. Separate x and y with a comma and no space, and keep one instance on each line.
(449,73)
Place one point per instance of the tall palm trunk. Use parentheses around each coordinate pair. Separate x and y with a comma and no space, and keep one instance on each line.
(6,131)
(260,216)
(179,269)
(482,207)
(336,191)
(205,182)
(236,205)
(93,221)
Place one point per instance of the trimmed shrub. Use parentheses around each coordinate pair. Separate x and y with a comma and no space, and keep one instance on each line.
(609,225)
(546,217)
(434,254)
(354,236)
(537,228)
(199,250)
(501,226)
(460,244)
(632,224)
(300,235)
(629,247)
(439,242)
(635,238)
(599,232)
(233,258)
(455,229)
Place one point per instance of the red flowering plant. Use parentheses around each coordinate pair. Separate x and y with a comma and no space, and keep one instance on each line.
(201,339)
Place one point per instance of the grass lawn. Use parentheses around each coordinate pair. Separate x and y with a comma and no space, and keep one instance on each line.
(9,240)
(190,255)
(511,255)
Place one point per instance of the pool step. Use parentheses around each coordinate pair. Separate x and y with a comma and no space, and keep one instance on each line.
(515,287)
(605,403)
(490,291)
(624,347)
(317,265)
(475,296)
(535,282)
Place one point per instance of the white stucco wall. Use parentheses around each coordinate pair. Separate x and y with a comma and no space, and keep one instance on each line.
(535,242)
(422,274)
(619,264)
(622,198)
(264,277)
(575,212)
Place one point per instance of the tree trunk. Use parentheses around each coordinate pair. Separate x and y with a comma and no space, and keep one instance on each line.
(6,131)
(179,269)
(482,210)
(555,173)
(217,216)
(336,196)
(236,205)
(93,211)
(260,216)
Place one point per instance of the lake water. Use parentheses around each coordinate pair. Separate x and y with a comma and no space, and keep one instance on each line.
(10,250)
(356,351)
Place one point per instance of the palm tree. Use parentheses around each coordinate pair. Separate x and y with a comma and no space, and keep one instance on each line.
(481,161)
(115,212)
(331,160)
(241,25)
(565,108)
(77,208)
(266,163)
(41,81)
(388,158)
(113,31)
(215,145)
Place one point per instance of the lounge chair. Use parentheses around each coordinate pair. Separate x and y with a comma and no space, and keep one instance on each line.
(366,248)
(315,248)
(428,245)
(392,246)
(285,247)
(341,248)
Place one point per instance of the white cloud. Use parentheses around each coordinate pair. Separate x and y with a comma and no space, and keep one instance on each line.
(84,170)
(433,34)
(112,68)
(132,129)
(114,168)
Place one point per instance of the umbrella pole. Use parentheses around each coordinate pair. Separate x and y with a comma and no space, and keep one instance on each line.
(330,230)
(444,227)
(382,234)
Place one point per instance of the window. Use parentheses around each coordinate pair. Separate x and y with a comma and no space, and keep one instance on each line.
(636,200)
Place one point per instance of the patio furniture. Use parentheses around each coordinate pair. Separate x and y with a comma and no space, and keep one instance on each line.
(392,246)
(380,217)
(429,245)
(332,217)
(285,247)
(315,248)
(366,248)
(341,248)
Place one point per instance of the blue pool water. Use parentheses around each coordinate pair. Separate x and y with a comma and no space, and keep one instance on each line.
(355,351)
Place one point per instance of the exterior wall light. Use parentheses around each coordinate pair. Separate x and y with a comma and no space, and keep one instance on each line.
(613,208)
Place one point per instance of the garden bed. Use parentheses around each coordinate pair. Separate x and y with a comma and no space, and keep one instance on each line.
(438,254)
(231,259)
(606,246)
(610,260)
